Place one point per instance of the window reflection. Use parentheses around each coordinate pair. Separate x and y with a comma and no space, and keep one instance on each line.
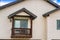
(21,23)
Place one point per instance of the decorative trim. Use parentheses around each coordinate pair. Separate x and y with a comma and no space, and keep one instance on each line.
(22,10)
(31,16)
(25,36)
(21,16)
(50,12)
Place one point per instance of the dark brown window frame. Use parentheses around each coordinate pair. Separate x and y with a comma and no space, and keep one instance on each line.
(26,36)
(31,16)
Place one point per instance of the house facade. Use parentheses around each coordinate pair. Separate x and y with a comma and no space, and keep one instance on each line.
(29,19)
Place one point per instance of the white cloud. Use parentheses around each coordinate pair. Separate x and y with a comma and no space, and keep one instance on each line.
(3,3)
(56,2)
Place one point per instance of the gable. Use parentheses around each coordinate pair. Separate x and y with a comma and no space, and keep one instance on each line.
(22,11)
(23,14)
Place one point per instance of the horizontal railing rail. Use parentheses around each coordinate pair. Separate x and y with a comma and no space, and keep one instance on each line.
(21,31)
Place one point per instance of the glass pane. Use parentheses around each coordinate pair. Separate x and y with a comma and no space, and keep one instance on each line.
(58,24)
(24,23)
(17,24)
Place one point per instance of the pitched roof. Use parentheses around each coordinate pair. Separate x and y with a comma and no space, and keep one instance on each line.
(23,10)
(10,4)
(52,3)
(50,12)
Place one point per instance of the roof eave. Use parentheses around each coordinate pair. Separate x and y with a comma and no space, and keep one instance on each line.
(52,3)
(10,4)
(22,10)
(50,12)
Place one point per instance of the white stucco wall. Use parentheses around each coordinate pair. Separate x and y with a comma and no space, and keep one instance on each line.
(52,32)
(38,7)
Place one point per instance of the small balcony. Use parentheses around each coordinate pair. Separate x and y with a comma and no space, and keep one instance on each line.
(21,33)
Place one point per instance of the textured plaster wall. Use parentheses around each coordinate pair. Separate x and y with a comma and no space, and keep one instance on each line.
(52,32)
(38,7)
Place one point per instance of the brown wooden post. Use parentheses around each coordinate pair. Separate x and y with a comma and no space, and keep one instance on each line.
(31,26)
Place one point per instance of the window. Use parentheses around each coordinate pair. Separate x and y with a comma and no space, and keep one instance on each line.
(21,27)
(21,23)
(58,24)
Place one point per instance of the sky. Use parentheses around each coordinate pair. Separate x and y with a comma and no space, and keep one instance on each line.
(56,1)
(3,2)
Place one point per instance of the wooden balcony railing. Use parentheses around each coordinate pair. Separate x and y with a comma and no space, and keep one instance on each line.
(21,32)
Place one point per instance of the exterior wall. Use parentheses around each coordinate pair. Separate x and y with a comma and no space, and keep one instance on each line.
(22,13)
(38,7)
(52,32)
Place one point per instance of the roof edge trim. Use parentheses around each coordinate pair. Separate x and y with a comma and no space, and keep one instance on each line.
(10,4)
(50,12)
(52,3)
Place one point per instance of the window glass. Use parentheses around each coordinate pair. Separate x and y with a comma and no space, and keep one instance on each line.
(24,23)
(17,24)
(21,23)
(58,24)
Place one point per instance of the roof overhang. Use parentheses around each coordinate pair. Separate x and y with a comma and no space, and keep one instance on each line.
(54,4)
(10,4)
(33,16)
(50,12)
